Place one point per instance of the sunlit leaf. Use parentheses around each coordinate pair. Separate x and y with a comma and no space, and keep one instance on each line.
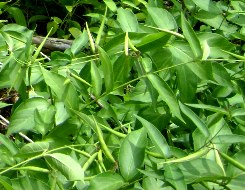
(69,167)
(191,37)
(127,20)
(23,117)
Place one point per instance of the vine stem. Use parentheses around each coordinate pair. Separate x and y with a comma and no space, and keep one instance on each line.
(21,163)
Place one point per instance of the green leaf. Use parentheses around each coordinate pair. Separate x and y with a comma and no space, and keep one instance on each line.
(162,18)
(156,137)
(195,119)
(216,21)
(127,20)
(166,94)
(6,183)
(69,167)
(33,149)
(54,81)
(29,183)
(182,53)
(216,43)
(96,79)
(228,139)
(191,37)
(62,88)
(175,176)
(79,43)
(201,169)
(208,5)
(18,15)
(107,69)
(153,41)
(8,144)
(105,181)
(188,89)
(132,153)
(111,5)
(23,117)
(44,119)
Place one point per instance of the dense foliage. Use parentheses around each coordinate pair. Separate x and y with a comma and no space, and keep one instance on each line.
(150,95)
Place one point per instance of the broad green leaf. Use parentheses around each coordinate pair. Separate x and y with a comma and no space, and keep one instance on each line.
(217,125)
(162,18)
(69,167)
(191,37)
(44,120)
(121,68)
(132,153)
(59,59)
(182,53)
(18,15)
(107,69)
(127,20)
(62,88)
(70,95)
(156,137)
(153,41)
(221,75)
(175,176)
(6,183)
(54,81)
(237,182)
(200,169)
(216,43)
(8,144)
(236,18)
(150,183)
(206,50)
(79,43)
(111,5)
(143,67)
(23,117)
(217,21)
(105,181)
(33,149)
(187,83)
(29,183)
(195,119)
(208,5)
(228,139)
(239,115)
(166,94)
(96,79)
